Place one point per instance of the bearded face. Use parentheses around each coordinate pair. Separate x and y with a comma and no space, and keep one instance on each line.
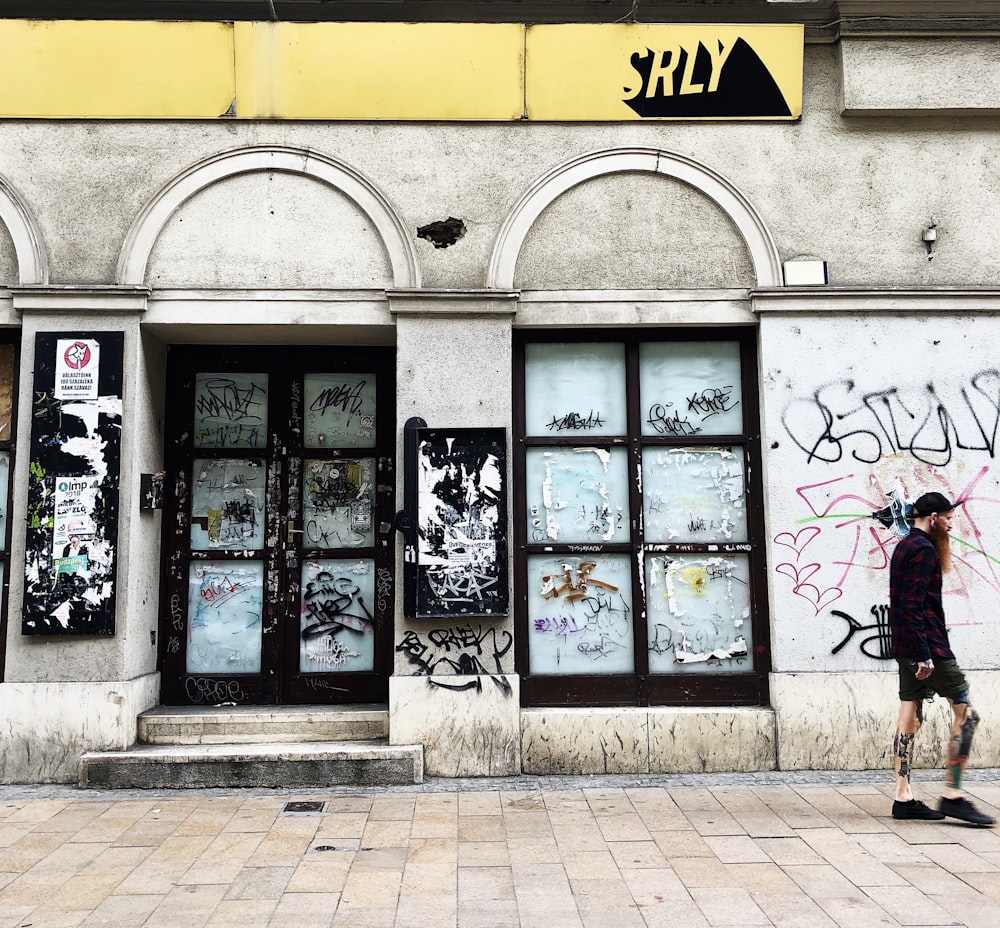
(939,529)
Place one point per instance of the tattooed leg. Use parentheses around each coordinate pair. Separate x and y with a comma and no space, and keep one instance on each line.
(902,749)
(962,730)
(910,717)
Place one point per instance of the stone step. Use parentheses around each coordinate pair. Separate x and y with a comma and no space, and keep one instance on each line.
(278,765)
(262,724)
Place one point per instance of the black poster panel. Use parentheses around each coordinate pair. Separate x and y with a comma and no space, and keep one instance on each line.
(72,527)
(461,523)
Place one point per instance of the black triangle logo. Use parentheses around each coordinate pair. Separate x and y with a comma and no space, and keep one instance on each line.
(745,87)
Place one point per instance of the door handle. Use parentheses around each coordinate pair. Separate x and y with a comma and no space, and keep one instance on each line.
(292,532)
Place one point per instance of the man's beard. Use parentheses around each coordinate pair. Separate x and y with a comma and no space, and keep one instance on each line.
(942,544)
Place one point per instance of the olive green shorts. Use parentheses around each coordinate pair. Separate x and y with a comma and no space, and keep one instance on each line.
(946,680)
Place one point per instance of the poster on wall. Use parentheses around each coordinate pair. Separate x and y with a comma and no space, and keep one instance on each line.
(72,532)
(461,523)
(77,368)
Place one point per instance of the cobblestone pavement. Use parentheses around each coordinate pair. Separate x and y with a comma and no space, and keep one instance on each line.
(809,849)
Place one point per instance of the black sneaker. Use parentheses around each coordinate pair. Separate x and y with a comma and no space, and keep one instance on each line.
(965,811)
(915,809)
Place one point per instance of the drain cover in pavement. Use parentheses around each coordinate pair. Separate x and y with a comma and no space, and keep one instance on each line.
(310,806)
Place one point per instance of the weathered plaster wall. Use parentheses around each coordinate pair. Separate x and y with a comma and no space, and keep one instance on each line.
(45,727)
(455,372)
(633,231)
(8,259)
(139,572)
(269,230)
(854,191)
(846,721)
(854,408)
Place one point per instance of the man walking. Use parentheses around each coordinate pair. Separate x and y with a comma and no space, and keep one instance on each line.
(926,662)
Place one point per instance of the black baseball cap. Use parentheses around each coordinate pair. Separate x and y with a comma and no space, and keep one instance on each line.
(931,502)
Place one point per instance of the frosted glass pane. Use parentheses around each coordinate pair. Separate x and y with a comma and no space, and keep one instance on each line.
(225,603)
(577,495)
(698,607)
(227,504)
(690,388)
(574,390)
(337,503)
(230,411)
(340,410)
(693,495)
(580,614)
(337,622)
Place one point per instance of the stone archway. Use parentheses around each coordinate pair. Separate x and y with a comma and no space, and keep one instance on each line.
(563,177)
(305,162)
(32,263)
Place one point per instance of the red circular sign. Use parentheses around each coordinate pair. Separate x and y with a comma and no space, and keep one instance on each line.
(77,356)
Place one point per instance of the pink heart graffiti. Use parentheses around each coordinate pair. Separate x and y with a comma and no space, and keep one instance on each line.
(809,592)
(799,540)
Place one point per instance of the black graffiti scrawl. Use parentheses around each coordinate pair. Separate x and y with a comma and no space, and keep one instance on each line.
(72,524)
(705,82)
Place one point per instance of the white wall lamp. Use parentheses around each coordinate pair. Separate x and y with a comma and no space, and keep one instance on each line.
(929,236)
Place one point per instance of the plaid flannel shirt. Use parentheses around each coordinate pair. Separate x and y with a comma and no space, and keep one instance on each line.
(916,616)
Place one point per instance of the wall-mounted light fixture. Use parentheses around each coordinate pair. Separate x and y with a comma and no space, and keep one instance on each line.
(929,236)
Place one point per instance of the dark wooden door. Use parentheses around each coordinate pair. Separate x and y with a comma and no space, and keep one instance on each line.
(278,574)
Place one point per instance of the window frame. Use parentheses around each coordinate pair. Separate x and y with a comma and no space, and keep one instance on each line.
(642,688)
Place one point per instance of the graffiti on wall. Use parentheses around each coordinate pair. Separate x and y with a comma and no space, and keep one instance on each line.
(853,534)
(461,522)
(875,645)
(459,650)
(931,424)
(72,526)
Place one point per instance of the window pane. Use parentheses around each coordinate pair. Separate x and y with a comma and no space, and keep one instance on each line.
(337,501)
(230,411)
(337,622)
(690,388)
(577,495)
(693,495)
(698,608)
(580,614)
(225,602)
(575,389)
(340,410)
(227,504)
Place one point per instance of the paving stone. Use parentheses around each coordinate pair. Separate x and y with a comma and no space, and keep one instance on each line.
(909,906)
(957,859)
(122,911)
(729,907)
(257,883)
(483,854)
(736,849)
(477,884)
(481,828)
